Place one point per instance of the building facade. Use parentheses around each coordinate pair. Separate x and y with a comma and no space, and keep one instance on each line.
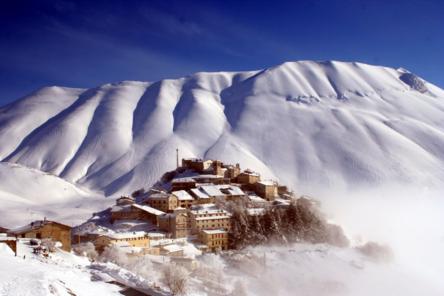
(45,229)
(209,217)
(215,239)
(165,202)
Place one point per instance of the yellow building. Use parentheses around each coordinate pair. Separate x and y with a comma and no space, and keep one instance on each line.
(208,216)
(214,239)
(125,239)
(45,229)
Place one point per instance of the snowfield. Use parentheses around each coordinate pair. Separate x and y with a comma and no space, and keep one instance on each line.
(29,194)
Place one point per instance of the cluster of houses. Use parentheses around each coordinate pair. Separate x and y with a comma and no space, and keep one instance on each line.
(189,206)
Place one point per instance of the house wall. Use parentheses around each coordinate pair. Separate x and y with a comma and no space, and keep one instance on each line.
(214,241)
(163,204)
(268,192)
(212,221)
(186,203)
(247,178)
(11,244)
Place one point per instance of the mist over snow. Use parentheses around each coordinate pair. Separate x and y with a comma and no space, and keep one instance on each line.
(367,141)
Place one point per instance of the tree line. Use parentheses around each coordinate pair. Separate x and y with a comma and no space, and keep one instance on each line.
(300,221)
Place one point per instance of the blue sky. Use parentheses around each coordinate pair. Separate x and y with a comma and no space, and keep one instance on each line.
(88,43)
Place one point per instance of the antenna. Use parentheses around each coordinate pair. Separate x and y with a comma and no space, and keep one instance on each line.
(177,157)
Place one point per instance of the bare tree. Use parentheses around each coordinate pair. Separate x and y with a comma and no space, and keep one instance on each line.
(86,249)
(49,244)
(175,278)
(115,255)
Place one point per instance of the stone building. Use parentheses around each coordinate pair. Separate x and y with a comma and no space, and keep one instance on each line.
(124,200)
(267,190)
(45,229)
(214,239)
(177,223)
(184,199)
(162,201)
(124,239)
(135,211)
(248,177)
(209,217)
(185,183)
(196,164)
(232,171)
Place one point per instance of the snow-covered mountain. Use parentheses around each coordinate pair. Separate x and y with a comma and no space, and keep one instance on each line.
(309,124)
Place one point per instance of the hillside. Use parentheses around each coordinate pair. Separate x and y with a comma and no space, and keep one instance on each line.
(29,194)
(309,124)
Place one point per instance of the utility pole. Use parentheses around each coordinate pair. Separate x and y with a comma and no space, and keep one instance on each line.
(177,157)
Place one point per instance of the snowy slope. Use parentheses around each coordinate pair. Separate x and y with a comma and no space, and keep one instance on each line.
(309,124)
(29,194)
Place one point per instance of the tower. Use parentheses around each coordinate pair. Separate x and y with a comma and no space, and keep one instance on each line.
(177,157)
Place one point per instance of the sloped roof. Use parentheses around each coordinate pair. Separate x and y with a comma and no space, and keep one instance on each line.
(212,190)
(36,225)
(182,195)
(148,209)
(199,193)
(232,190)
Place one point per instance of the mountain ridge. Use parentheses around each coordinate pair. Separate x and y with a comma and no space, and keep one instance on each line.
(315,115)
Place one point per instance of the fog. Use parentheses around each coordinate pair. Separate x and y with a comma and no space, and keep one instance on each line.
(409,221)
(406,223)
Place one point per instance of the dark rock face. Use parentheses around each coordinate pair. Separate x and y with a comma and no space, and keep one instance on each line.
(414,82)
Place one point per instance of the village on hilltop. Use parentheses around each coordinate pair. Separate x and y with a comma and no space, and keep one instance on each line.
(187,212)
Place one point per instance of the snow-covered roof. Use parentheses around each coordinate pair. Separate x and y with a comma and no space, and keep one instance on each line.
(156,235)
(267,182)
(149,209)
(183,180)
(208,209)
(182,195)
(125,235)
(256,198)
(207,176)
(211,190)
(250,172)
(214,231)
(199,193)
(121,208)
(232,189)
(255,211)
(213,218)
(159,195)
(172,248)
(35,225)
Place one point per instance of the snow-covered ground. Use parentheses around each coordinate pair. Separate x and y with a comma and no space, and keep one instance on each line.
(62,274)
(29,194)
